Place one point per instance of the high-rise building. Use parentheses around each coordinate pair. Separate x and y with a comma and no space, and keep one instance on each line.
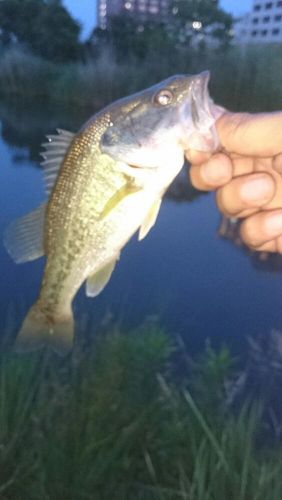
(262,25)
(143,9)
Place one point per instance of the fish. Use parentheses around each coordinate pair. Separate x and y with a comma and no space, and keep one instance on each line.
(105,183)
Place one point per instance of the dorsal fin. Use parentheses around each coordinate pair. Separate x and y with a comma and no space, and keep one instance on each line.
(55,150)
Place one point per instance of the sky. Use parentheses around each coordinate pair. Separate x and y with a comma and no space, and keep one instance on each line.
(85,11)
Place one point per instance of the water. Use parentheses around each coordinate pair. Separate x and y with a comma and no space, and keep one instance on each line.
(199,284)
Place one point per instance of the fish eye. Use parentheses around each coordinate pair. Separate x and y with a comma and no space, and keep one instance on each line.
(163,97)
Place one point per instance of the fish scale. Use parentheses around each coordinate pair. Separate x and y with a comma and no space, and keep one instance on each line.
(77,187)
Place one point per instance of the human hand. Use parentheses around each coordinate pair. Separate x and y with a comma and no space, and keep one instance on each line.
(247,175)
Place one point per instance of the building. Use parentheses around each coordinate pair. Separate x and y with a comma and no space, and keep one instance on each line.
(144,9)
(262,25)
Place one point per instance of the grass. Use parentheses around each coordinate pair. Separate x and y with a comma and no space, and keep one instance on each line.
(118,423)
(241,78)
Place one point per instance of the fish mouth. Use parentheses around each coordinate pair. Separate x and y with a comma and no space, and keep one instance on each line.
(200,99)
(199,115)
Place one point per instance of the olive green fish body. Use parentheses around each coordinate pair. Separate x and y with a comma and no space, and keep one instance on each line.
(112,177)
(72,215)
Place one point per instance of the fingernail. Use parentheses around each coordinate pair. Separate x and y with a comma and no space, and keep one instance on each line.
(216,174)
(257,190)
(273,223)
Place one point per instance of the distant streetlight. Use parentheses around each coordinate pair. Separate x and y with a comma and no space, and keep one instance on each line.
(197,25)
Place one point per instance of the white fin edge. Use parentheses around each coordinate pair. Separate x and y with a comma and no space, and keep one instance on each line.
(96,282)
(150,219)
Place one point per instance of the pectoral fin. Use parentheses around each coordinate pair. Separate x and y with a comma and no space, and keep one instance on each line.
(122,193)
(150,219)
(97,282)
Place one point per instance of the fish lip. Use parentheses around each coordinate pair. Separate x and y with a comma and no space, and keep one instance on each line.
(205,91)
(200,96)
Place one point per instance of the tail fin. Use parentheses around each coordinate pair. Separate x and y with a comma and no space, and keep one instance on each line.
(38,331)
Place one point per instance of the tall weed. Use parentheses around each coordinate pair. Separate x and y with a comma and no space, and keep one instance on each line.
(113,423)
(242,78)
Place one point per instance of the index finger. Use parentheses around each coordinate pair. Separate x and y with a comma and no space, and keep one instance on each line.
(257,134)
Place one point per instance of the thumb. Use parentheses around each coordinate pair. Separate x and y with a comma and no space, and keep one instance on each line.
(247,134)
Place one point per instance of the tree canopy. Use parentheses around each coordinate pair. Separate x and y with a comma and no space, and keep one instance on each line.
(130,36)
(189,22)
(43,26)
(200,19)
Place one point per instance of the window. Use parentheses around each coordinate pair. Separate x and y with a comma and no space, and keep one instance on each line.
(255,20)
(254,33)
(257,7)
(268,5)
(153,9)
(264,32)
(266,19)
(276,31)
(278,17)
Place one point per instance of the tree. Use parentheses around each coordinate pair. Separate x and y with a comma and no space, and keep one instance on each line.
(128,36)
(200,20)
(44,26)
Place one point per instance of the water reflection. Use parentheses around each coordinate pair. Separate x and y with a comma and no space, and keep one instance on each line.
(199,285)
(229,229)
(24,129)
(27,131)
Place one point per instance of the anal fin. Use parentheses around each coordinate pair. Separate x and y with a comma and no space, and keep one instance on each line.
(97,281)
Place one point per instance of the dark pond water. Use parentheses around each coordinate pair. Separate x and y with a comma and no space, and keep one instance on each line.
(190,271)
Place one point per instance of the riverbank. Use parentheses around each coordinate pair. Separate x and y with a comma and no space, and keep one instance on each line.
(240,79)
(125,420)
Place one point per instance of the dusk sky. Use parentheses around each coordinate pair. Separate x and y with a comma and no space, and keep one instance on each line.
(85,11)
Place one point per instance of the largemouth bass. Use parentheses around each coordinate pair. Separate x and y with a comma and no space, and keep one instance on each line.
(106,182)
